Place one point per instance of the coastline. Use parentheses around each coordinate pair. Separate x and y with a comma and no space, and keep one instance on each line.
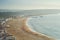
(23,31)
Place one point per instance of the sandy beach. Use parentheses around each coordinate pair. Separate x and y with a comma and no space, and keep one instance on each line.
(21,31)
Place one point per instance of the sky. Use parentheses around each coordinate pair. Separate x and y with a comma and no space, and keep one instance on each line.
(29,4)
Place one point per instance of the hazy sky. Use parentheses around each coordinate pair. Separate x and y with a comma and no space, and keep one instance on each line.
(29,4)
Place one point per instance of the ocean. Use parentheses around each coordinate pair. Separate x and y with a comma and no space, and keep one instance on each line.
(46,24)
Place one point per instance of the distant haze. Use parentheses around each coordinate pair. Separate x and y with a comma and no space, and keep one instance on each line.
(4,13)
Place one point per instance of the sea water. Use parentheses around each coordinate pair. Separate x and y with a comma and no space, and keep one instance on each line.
(46,24)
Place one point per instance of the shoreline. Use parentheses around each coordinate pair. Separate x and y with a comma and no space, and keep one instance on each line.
(19,27)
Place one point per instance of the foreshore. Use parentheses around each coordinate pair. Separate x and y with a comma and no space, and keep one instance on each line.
(21,31)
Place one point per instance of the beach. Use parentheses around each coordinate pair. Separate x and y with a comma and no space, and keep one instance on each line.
(21,31)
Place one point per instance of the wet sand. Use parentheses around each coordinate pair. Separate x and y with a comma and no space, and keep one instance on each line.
(21,31)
